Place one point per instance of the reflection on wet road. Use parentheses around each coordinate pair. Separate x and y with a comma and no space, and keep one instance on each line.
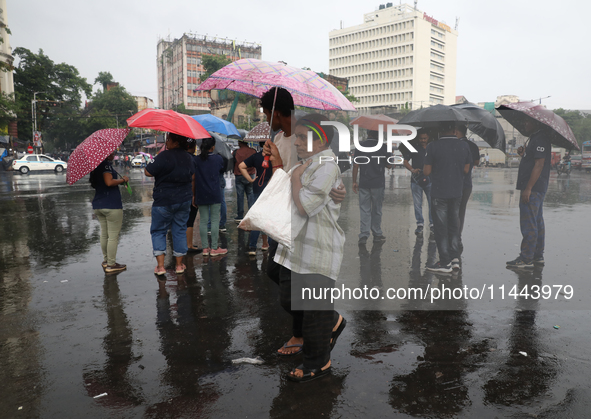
(70,333)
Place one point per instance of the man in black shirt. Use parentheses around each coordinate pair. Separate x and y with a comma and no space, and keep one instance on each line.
(372,183)
(447,162)
(532,181)
(419,183)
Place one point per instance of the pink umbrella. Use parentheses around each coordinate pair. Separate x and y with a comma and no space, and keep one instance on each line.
(93,151)
(561,134)
(169,121)
(255,77)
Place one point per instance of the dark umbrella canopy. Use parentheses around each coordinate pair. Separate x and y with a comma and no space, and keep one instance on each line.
(434,117)
(487,127)
(561,134)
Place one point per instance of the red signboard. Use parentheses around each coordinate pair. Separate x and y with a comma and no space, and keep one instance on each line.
(30,149)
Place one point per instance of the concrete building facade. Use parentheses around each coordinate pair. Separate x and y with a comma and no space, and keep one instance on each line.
(179,67)
(144,103)
(6,81)
(399,57)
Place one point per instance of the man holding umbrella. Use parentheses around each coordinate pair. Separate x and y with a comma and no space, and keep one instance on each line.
(532,181)
(447,161)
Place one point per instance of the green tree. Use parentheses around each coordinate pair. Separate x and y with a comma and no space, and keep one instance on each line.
(58,82)
(579,123)
(104,78)
(107,109)
(117,101)
(211,64)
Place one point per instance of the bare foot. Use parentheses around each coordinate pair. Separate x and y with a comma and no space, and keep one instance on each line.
(336,326)
(293,341)
(299,373)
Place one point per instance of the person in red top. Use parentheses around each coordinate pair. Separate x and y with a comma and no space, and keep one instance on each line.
(242,184)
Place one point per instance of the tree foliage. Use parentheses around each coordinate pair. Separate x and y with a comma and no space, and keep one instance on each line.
(580,123)
(61,83)
(104,78)
(211,64)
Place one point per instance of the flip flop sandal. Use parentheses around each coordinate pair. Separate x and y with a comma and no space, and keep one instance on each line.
(318,372)
(159,273)
(297,345)
(335,335)
(182,270)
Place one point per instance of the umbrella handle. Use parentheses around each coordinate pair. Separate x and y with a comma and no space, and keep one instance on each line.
(272,112)
(265,163)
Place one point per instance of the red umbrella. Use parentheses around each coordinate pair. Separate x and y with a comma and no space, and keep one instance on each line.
(372,122)
(92,151)
(560,133)
(169,121)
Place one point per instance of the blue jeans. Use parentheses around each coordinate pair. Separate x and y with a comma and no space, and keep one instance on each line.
(446,222)
(417,199)
(223,208)
(533,230)
(370,211)
(173,217)
(243,185)
(253,237)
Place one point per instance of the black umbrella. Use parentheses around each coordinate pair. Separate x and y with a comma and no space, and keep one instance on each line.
(487,127)
(435,116)
(221,148)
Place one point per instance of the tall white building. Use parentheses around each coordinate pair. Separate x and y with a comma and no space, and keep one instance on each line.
(398,57)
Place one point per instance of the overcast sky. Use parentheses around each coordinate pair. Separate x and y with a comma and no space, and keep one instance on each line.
(529,48)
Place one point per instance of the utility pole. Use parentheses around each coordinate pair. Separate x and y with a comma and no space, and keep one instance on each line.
(34,112)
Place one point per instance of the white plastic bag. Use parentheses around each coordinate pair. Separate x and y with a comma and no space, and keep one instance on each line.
(274,212)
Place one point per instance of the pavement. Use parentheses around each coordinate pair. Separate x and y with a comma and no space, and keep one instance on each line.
(75,342)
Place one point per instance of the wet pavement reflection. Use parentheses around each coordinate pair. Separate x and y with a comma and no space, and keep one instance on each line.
(75,342)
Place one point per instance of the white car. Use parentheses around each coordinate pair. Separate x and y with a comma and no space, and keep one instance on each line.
(38,162)
(138,161)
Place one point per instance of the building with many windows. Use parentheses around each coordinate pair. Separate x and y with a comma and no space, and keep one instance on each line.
(179,67)
(398,57)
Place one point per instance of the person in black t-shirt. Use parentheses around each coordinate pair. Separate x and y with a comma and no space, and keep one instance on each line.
(418,182)
(172,171)
(108,209)
(447,161)
(371,187)
(532,181)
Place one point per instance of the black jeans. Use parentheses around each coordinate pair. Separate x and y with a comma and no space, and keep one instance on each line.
(446,222)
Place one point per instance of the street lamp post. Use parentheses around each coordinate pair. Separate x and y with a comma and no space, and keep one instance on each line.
(34,112)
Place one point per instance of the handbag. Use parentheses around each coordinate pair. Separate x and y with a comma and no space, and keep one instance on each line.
(421,179)
(274,212)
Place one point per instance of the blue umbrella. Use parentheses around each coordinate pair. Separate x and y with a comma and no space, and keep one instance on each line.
(215,124)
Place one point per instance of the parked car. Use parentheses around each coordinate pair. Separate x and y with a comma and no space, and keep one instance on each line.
(38,162)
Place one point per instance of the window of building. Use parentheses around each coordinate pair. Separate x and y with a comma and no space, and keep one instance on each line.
(437,56)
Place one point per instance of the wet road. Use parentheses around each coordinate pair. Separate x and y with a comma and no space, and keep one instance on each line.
(164,350)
